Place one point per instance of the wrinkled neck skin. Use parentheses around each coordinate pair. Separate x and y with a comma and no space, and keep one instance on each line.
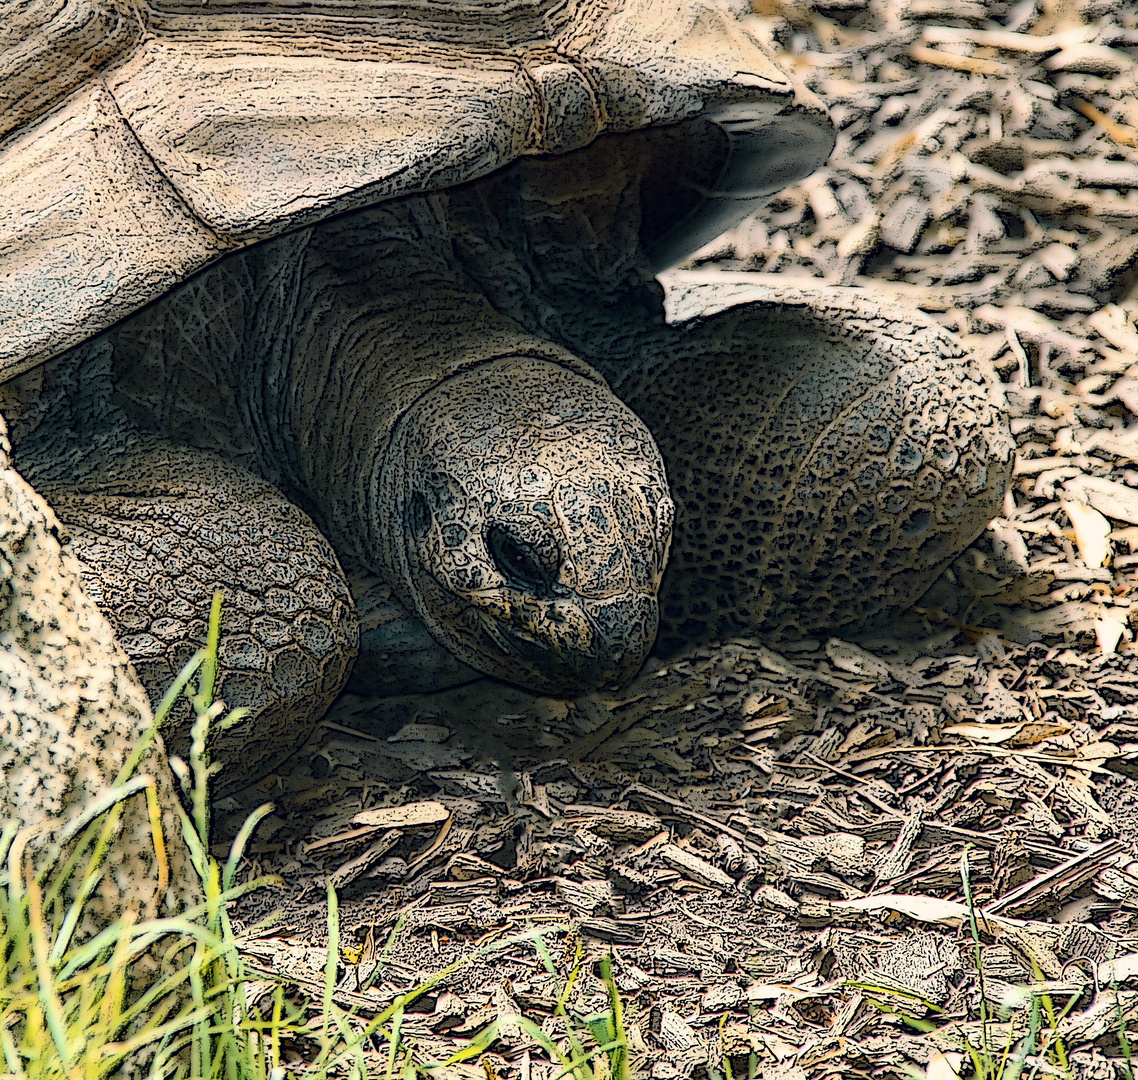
(511,500)
(559,244)
(382,318)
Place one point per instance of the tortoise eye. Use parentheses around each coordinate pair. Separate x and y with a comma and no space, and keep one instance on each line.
(520,564)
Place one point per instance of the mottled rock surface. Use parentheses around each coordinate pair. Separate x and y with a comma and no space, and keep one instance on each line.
(71,711)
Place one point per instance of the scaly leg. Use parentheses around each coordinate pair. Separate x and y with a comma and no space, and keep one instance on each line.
(157,528)
(828,455)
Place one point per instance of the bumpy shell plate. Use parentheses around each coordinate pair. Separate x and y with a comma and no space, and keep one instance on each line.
(143,139)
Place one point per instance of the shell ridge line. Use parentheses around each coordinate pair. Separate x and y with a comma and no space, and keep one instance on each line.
(222,242)
(535,134)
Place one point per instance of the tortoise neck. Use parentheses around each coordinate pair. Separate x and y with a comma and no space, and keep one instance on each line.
(382,317)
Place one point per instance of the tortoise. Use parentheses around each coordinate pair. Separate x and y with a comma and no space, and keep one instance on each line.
(351,310)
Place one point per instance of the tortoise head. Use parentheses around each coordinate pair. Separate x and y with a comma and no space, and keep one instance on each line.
(531,523)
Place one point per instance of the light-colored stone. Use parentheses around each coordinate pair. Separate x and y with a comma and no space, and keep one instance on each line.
(71,712)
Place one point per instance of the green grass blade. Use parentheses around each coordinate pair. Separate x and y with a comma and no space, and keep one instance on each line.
(333,953)
(239,842)
(212,646)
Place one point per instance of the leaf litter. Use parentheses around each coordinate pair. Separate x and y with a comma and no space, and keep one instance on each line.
(768,844)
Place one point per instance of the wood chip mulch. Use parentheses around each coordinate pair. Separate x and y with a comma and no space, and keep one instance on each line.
(770,845)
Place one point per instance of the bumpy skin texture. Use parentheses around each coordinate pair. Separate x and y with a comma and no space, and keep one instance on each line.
(71,712)
(404,374)
(826,461)
(158,528)
(828,453)
(355,369)
(536,524)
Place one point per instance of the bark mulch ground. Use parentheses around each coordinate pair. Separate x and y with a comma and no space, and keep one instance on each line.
(770,845)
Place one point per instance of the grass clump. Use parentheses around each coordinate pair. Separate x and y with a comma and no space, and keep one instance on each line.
(70,1009)
(69,1006)
(999,1045)
(595,1045)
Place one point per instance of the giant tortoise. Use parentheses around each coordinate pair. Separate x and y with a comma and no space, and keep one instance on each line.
(348,308)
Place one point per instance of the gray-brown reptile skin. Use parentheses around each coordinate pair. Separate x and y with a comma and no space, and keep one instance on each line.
(72,715)
(826,456)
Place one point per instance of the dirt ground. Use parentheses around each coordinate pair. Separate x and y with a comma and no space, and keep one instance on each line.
(770,845)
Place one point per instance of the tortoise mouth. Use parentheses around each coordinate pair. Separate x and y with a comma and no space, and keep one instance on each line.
(543,669)
(562,648)
(543,663)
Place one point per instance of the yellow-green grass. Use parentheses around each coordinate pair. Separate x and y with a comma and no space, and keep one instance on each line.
(74,1008)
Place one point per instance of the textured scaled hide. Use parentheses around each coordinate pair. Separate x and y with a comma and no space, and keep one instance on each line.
(71,712)
(526,456)
(354,368)
(828,454)
(157,528)
(413,396)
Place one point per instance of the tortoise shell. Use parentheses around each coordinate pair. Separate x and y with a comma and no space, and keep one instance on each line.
(145,140)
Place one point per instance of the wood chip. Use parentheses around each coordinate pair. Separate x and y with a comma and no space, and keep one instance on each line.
(429,733)
(1058,882)
(464,892)
(1092,532)
(693,867)
(340,839)
(408,816)
(612,931)
(627,825)
(348,872)
(1115,500)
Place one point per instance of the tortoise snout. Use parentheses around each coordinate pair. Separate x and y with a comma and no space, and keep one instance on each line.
(567,647)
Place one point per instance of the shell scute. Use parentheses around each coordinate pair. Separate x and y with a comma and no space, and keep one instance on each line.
(176,131)
(78,255)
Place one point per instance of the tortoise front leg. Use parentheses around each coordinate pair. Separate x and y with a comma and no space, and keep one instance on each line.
(157,528)
(828,455)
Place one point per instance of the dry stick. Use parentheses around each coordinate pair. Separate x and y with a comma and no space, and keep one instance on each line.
(973,64)
(1079,868)
(1006,40)
(344,729)
(683,810)
(428,851)
(1115,131)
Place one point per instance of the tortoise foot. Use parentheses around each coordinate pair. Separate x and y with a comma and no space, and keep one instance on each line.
(828,455)
(157,528)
